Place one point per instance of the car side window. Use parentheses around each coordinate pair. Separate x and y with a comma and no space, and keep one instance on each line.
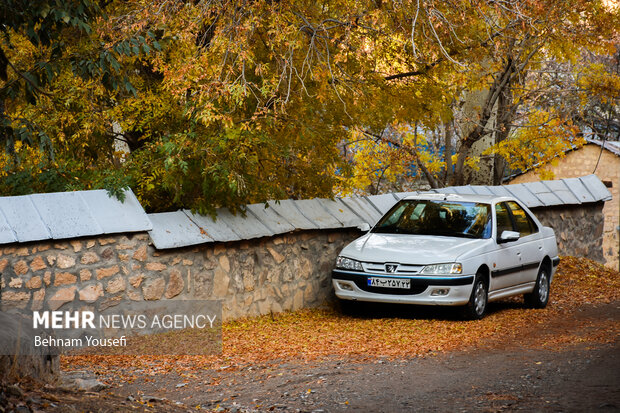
(503,219)
(525,224)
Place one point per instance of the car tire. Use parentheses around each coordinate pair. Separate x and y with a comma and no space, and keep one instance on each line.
(540,296)
(477,306)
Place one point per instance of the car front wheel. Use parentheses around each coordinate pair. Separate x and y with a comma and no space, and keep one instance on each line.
(477,305)
(540,296)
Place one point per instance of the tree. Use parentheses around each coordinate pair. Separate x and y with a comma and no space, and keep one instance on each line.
(56,73)
(227,103)
(512,92)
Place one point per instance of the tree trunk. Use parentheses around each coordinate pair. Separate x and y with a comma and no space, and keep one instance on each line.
(500,83)
(448,152)
(502,130)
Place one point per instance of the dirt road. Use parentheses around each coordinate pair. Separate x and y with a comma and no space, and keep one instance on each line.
(494,376)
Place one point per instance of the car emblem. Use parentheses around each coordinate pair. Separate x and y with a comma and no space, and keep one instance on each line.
(391,267)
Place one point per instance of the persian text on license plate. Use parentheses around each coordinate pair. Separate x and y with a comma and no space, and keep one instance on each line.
(389,282)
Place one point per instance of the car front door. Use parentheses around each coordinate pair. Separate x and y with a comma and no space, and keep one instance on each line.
(530,242)
(506,262)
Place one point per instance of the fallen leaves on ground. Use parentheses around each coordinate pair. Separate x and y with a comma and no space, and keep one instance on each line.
(404,332)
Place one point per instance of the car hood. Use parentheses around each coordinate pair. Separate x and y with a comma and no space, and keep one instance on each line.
(410,249)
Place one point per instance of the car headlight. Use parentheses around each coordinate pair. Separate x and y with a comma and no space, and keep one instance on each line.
(443,269)
(348,264)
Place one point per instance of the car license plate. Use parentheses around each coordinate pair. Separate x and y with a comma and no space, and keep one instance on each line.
(403,283)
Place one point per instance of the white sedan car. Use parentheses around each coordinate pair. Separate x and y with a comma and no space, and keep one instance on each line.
(456,250)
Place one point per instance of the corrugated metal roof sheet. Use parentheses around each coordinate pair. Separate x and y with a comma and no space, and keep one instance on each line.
(499,190)
(114,216)
(247,227)
(383,202)
(461,190)
(560,189)
(521,192)
(66,215)
(542,192)
(579,190)
(342,212)
(350,212)
(289,211)
(316,213)
(175,230)
(481,190)
(596,187)
(24,219)
(362,208)
(6,233)
(63,215)
(217,230)
(270,218)
(75,214)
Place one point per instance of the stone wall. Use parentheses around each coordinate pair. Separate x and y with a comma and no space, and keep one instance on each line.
(578,229)
(285,272)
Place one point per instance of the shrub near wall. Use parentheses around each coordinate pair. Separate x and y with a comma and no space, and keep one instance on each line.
(285,272)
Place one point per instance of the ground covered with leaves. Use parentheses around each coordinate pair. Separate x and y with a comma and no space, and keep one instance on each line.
(389,331)
(294,350)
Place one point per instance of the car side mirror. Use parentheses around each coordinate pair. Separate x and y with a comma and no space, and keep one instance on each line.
(364,227)
(508,236)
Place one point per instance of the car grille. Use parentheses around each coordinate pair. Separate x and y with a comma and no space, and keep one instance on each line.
(379,268)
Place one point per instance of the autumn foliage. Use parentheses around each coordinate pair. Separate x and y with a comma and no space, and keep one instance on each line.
(209,103)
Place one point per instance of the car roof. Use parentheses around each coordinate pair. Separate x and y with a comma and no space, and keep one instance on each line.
(486,199)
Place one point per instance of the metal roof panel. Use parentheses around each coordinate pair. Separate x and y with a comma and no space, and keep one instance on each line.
(339,210)
(464,190)
(270,218)
(175,230)
(542,192)
(114,216)
(247,227)
(481,190)
(578,189)
(218,230)
(362,208)
(24,219)
(596,187)
(560,189)
(66,215)
(499,190)
(315,212)
(382,202)
(7,235)
(289,211)
(524,195)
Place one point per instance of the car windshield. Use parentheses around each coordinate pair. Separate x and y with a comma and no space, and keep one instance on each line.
(443,218)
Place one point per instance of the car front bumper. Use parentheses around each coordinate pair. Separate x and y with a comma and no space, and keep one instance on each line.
(352,285)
